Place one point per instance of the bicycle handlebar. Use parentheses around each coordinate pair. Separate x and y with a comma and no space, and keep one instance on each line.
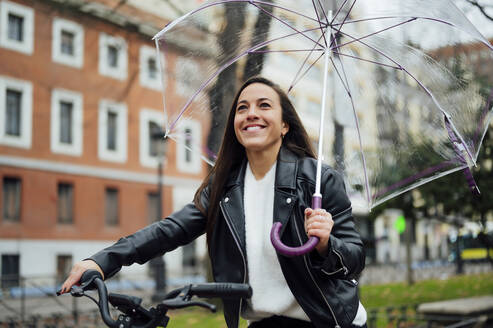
(138,317)
(221,290)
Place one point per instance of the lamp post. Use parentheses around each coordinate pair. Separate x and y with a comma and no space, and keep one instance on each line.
(157,264)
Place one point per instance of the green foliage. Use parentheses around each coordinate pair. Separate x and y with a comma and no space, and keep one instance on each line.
(372,296)
(397,294)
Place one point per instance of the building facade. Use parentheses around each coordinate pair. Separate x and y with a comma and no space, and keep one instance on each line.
(80,100)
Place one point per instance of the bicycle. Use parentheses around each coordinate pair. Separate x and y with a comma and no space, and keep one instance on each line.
(134,315)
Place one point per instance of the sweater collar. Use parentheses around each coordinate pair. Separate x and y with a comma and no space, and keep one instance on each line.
(285,171)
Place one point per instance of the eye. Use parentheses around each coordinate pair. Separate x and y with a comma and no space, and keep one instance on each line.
(241,107)
(264,105)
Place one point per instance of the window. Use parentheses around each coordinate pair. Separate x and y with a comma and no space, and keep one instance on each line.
(65,203)
(63,267)
(112,56)
(111,207)
(16,27)
(13,119)
(66,110)
(10,270)
(187,76)
(111,130)
(151,121)
(155,142)
(66,122)
(112,139)
(153,207)
(112,53)
(149,69)
(15,112)
(189,147)
(11,199)
(189,259)
(68,43)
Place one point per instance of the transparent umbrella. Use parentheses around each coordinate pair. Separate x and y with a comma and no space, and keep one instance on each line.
(394,93)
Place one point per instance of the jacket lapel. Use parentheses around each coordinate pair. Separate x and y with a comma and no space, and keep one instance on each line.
(285,196)
(232,202)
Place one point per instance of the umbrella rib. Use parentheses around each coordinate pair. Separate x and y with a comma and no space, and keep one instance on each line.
(319,22)
(373,33)
(205,159)
(323,11)
(301,67)
(288,25)
(366,60)
(337,12)
(341,24)
(298,78)
(284,50)
(219,70)
(281,7)
(389,17)
(415,177)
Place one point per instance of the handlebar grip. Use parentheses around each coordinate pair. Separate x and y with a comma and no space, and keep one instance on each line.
(222,290)
(92,279)
(89,275)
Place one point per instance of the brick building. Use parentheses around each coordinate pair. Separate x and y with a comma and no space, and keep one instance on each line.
(80,95)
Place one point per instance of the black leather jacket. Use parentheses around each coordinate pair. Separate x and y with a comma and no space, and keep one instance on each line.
(324,287)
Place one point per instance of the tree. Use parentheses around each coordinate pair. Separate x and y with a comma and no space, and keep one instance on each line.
(485,9)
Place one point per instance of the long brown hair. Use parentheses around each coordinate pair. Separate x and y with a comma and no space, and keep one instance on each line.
(232,153)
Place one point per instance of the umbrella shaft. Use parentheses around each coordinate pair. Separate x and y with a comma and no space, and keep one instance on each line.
(327,55)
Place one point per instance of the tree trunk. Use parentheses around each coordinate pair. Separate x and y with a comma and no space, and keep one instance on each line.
(221,94)
(255,61)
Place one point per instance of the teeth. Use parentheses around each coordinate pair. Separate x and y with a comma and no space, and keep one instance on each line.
(253,128)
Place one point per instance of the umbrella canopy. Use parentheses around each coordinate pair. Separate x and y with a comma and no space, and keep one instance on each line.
(401,85)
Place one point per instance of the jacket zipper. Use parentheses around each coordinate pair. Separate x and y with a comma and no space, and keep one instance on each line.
(343,267)
(313,279)
(226,218)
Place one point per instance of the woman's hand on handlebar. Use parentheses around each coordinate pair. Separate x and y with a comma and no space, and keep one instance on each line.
(77,270)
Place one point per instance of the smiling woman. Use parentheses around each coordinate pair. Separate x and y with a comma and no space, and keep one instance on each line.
(264,173)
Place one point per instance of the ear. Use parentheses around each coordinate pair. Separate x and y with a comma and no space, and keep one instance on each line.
(284,128)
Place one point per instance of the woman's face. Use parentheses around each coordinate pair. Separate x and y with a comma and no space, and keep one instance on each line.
(258,120)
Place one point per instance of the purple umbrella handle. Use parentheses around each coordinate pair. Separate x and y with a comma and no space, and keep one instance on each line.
(294,251)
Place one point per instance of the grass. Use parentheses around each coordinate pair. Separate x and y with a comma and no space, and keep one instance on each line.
(372,296)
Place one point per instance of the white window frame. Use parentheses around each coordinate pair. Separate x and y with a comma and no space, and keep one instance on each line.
(120,154)
(59,25)
(145,117)
(119,72)
(25,87)
(74,149)
(26,45)
(195,165)
(185,67)
(145,54)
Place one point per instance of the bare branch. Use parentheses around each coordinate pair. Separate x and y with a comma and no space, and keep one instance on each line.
(481,7)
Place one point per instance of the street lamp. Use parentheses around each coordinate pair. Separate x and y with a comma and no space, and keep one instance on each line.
(157,264)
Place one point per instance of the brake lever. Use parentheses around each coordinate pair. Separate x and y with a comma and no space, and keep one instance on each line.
(210,307)
(179,303)
(77,291)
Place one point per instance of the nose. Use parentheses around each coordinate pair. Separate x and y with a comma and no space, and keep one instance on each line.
(252,112)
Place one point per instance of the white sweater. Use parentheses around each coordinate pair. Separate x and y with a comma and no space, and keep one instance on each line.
(271,294)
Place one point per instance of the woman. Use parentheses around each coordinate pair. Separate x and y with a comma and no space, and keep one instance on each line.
(265,172)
